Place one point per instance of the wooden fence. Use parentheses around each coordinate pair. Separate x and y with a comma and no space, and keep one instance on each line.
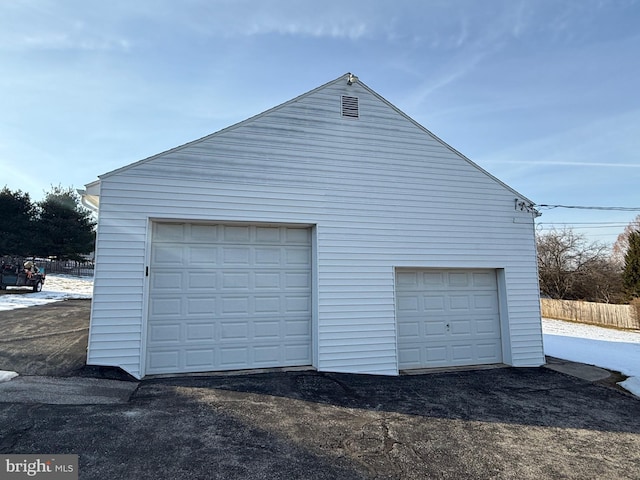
(604,314)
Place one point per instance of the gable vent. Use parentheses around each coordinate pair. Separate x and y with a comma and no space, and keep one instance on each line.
(350,107)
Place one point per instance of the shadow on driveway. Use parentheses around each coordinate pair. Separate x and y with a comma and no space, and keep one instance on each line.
(501,423)
(522,396)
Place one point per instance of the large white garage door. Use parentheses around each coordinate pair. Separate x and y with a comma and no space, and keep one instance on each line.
(447,318)
(228,297)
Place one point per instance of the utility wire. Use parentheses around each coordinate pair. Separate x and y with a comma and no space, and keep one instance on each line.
(580,207)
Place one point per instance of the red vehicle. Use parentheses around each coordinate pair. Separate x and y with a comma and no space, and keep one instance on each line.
(15,272)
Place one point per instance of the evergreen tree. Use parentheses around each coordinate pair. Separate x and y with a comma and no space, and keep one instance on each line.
(16,223)
(631,274)
(65,228)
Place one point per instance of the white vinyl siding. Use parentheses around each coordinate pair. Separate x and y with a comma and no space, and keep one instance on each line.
(382,193)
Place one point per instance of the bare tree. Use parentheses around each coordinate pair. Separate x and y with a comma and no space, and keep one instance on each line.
(572,268)
(622,242)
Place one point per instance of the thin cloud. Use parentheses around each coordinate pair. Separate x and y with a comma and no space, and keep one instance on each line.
(46,26)
(568,163)
(322,28)
(63,41)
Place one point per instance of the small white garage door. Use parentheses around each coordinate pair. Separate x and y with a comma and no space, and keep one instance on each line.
(447,318)
(226,297)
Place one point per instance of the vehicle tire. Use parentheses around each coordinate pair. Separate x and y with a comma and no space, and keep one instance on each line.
(38,286)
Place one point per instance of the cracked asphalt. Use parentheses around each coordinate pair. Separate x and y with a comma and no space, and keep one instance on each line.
(501,423)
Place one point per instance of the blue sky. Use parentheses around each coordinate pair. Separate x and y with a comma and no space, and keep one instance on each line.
(543,94)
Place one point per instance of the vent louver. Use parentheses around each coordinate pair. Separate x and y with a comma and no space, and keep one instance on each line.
(350,107)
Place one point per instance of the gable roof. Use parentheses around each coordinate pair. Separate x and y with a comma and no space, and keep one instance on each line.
(347,77)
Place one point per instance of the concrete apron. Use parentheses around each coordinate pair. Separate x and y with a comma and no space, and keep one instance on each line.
(589,373)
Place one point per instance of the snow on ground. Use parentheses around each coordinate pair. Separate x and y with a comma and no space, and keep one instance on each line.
(5,375)
(608,348)
(56,287)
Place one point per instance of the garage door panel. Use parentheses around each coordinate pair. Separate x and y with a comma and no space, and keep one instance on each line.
(297,235)
(236,257)
(167,256)
(167,280)
(297,280)
(200,256)
(433,279)
(435,355)
(485,301)
(434,303)
(235,297)
(161,359)
(270,304)
(408,303)
(454,321)
(234,331)
(491,352)
(234,357)
(487,326)
(200,305)
(267,330)
(266,355)
(169,232)
(296,256)
(232,233)
(460,328)
(167,333)
(297,304)
(407,280)
(484,280)
(459,302)
(410,356)
(203,234)
(409,329)
(199,280)
(234,280)
(162,307)
(268,256)
(296,354)
(434,328)
(269,234)
(196,359)
(268,280)
(458,279)
(200,332)
(235,306)
(297,328)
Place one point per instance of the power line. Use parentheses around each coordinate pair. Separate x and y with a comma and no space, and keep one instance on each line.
(581,207)
(585,224)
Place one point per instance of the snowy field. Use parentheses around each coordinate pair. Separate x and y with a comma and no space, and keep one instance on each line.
(604,347)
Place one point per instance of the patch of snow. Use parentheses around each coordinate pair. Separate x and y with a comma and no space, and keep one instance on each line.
(5,375)
(56,288)
(632,384)
(608,348)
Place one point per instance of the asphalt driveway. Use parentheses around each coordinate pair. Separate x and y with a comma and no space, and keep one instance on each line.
(500,423)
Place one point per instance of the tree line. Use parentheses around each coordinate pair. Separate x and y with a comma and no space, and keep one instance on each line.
(58,226)
(572,268)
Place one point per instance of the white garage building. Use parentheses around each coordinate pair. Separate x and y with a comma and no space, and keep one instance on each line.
(332,231)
